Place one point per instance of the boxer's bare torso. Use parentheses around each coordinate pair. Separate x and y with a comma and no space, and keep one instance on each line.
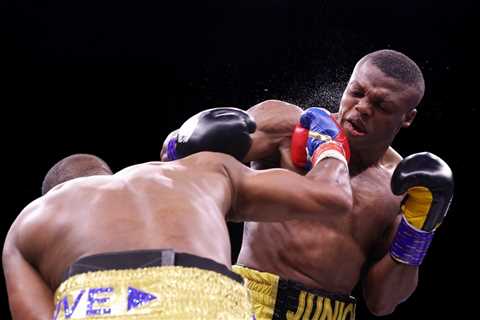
(327,254)
(147,206)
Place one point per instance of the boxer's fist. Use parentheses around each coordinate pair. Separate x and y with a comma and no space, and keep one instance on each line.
(428,183)
(318,136)
(225,130)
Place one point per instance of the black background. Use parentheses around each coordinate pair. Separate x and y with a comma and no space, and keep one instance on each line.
(112,78)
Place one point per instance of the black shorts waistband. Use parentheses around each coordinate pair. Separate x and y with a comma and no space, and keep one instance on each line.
(288,298)
(146,258)
(293,288)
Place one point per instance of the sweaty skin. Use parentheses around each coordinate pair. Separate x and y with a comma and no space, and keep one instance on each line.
(331,254)
(181,205)
(336,253)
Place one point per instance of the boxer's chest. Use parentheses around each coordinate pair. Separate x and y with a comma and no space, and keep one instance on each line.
(375,207)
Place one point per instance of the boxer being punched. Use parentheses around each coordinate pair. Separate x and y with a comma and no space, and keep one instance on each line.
(150,241)
(307,270)
(290,265)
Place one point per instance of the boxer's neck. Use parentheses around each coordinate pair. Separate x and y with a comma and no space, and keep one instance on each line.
(360,160)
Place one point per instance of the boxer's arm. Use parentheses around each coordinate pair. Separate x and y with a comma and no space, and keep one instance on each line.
(279,194)
(387,282)
(428,184)
(275,122)
(29,296)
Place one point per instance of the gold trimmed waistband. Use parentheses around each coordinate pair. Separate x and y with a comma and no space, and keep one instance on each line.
(169,292)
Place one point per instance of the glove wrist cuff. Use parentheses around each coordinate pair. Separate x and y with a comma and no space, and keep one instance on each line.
(330,149)
(410,245)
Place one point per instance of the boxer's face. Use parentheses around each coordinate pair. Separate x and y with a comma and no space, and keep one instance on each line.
(374,107)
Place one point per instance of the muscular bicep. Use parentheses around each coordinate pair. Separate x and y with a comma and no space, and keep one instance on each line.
(275,122)
(29,296)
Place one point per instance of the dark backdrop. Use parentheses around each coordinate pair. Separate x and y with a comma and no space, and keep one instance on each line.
(112,78)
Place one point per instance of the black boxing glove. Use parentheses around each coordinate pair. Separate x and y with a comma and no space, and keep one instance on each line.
(225,130)
(428,182)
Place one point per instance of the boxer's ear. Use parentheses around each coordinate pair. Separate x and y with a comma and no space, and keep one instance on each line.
(408,118)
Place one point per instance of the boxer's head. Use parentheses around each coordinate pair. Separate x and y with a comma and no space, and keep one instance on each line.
(381,96)
(74,166)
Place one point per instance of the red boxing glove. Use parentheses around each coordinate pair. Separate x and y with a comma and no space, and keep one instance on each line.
(298,148)
(318,136)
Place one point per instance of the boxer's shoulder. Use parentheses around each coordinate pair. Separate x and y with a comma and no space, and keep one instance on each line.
(206,162)
(275,116)
(275,105)
(390,160)
(209,158)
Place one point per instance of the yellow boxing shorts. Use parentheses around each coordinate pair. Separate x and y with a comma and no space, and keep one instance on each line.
(274,298)
(151,284)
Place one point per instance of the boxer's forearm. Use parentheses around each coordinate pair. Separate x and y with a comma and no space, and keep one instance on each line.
(332,172)
(387,284)
(275,123)
(279,194)
(264,146)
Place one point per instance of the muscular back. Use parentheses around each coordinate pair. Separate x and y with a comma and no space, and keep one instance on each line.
(180,205)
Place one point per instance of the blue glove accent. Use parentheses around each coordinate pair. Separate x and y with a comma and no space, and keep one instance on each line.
(410,245)
(318,120)
(171,153)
